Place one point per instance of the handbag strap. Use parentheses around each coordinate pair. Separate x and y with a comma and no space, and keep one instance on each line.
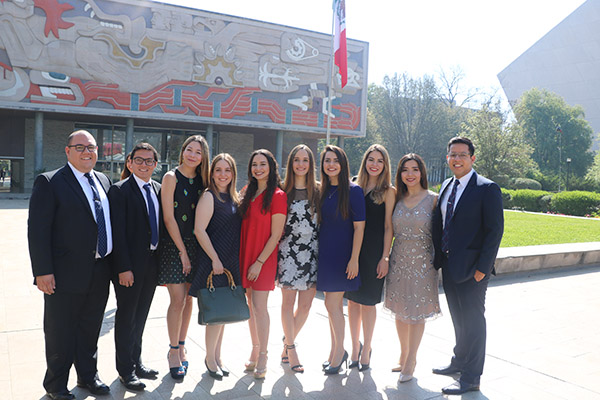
(209,280)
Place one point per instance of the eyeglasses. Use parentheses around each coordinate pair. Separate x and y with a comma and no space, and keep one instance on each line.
(80,148)
(459,155)
(148,161)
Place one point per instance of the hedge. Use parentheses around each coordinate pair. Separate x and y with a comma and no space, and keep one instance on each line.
(578,203)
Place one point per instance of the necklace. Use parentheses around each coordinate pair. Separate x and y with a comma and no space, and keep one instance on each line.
(332,192)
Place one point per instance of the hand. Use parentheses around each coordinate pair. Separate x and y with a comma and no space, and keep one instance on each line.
(254,271)
(479,275)
(352,269)
(382,268)
(126,278)
(185,261)
(46,283)
(217,267)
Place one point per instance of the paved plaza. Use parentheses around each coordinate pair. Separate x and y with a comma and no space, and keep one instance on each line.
(543,343)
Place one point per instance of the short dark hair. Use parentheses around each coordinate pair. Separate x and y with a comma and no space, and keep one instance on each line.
(144,146)
(78,132)
(462,140)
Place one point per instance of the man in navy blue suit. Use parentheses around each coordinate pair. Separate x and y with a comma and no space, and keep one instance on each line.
(467,230)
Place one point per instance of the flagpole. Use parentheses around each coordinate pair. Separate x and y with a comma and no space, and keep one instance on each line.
(331,61)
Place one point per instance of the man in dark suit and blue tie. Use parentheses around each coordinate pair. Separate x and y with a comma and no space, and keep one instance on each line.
(70,239)
(467,230)
(135,215)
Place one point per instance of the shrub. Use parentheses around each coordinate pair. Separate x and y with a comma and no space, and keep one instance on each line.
(526,183)
(502,180)
(507,198)
(576,203)
(546,203)
(528,200)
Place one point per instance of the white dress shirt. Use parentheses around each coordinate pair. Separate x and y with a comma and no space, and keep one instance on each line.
(141,184)
(459,191)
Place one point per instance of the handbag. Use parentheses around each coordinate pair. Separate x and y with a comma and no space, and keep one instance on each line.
(222,305)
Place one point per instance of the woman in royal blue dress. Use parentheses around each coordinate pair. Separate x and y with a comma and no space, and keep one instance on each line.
(342,219)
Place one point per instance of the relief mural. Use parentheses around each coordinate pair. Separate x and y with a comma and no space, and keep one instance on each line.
(148,57)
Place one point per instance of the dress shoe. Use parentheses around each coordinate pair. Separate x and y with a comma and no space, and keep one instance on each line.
(460,387)
(449,370)
(95,386)
(144,372)
(404,377)
(218,375)
(132,382)
(64,395)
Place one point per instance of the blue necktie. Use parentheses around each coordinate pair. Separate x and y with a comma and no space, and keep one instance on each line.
(102,236)
(449,213)
(151,216)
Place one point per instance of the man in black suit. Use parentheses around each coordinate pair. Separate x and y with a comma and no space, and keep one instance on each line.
(468,226)
(70,239)
(135,214)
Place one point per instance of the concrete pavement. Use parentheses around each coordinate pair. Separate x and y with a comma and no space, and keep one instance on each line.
(543,331)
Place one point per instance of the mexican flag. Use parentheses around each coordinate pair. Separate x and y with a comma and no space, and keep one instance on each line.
(339,39)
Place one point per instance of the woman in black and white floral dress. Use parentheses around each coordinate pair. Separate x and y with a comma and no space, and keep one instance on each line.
(298,249)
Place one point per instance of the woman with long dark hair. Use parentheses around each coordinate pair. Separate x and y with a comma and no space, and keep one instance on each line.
(374,178)
(342,218)
(180,191)
(263,209)
(298,249)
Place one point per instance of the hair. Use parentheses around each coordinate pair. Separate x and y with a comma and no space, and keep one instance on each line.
(312,186)
(401,188)
(126,173)
(273,182)
(343,206)
(462,140)
(143,146)
(78,132)
(202,168)
(231,188)
(384,180)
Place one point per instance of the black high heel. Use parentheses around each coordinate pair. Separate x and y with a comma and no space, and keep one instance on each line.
(176,372)
(336,370)
(218,375)
(356,364)
(364,367)
(296,368)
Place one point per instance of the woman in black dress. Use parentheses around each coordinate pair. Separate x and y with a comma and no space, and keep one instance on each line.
(217,229)
(374,178)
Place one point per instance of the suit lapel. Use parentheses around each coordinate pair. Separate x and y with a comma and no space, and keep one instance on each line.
(442,190)
(74,184)
(465,194)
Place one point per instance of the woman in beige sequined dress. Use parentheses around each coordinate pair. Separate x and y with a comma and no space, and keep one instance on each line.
(411,288)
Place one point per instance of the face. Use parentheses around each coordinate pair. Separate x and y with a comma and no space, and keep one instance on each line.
(260,168)
(142,170)
(411,174)
(222,175)
(301,163)
(331,164)
(85,160)
(375,163)
(459,159)
(192,154)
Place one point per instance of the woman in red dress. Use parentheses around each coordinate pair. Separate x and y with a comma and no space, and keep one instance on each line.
(263,209)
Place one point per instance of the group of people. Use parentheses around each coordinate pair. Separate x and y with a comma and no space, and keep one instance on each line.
(363,240)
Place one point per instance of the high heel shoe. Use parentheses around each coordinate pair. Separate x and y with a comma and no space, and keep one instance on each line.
(176,372)
(405,377)
(356,364)
(325,364)
(260,373)
(364,367)
(218,375)
(336,370)
(285,359)
(185,364)
(299,368)
(250,365)
(223,370)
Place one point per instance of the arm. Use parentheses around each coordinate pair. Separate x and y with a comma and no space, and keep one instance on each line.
(118,221)
(357,239)
(207,205)
(493,228)
(167,194)
(388,235)
(277,225)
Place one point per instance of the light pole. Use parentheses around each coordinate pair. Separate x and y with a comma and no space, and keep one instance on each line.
(559,130)
(568,170)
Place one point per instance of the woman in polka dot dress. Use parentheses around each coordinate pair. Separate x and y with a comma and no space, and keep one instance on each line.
(181,189)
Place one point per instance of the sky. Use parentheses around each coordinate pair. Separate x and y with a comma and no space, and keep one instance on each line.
(420,37)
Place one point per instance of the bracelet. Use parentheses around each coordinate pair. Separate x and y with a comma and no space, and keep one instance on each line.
(386,259)
(262,262)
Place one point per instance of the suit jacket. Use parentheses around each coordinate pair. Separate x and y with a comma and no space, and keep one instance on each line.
(131,227)
(476,230)
(62,230)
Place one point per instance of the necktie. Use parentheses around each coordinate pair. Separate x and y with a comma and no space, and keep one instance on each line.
(449,213)
(151,216)
(102,237)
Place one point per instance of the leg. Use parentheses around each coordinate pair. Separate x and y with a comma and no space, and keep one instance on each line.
(415,334)
(218,346)
(262,324)
(334,302)
(454,306)
(354,321)
(305,299)
(125,327)
(213,336)
(369,316)
(288,297)
(143,309)
(402,330)
(186,317)
(253,332)
(178,296)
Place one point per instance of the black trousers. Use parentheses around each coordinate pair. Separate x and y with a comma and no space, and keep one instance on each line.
(72,323)
(133,306)
(466,302)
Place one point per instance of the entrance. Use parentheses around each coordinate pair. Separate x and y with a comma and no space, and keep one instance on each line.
(11,175)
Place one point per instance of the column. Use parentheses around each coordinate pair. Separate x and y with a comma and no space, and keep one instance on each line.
(38,161)
(210,141)
(279,149)
(129,135)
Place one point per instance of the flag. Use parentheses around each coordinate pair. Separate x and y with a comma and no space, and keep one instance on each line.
(339,39)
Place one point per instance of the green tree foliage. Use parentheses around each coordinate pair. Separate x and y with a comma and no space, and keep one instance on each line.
(356,147)
(549,123)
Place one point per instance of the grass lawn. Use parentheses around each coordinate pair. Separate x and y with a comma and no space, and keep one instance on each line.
(525,229)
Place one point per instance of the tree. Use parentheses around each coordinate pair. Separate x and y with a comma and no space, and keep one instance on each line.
(355,147)
(556,131)
(500,148)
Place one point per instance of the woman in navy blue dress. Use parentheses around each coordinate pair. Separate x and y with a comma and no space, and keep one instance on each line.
(342,226)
